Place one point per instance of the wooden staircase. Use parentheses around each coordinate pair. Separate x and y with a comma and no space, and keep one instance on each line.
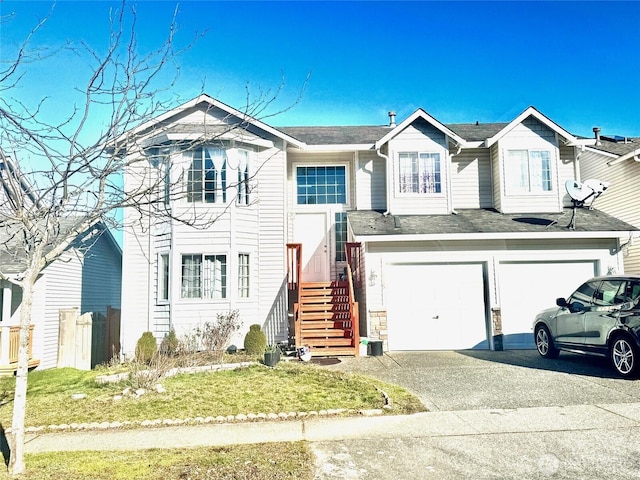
(325,319)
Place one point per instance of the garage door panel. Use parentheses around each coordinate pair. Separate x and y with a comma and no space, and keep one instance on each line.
(526,288)
(436,307)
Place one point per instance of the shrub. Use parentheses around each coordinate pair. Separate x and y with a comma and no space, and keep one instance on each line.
(169,345)
(255,341)
(217,335)
(146,347)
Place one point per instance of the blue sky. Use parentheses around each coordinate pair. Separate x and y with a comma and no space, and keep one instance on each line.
(577,62)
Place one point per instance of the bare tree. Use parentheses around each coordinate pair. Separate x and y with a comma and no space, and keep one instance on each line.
(75,177)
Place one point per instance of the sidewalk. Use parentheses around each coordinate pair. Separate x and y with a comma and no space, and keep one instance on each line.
(430,424)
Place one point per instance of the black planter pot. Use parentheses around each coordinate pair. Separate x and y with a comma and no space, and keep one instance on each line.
(271,358)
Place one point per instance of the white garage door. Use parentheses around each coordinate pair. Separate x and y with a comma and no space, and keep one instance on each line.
(436,306)
(526,288)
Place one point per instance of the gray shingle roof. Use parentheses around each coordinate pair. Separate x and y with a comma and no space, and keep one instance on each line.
(361,135)
(470,221)
(618,148)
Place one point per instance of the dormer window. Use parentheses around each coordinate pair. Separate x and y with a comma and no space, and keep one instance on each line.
(528,171)
(419,172)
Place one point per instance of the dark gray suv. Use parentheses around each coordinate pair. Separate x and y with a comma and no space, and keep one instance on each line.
(602,317)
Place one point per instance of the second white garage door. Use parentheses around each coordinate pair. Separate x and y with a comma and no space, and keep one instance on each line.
(436,306)
(527,288)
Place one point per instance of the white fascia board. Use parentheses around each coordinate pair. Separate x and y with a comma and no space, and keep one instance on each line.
(569,234)
(635,154)
(338,148)
(420,113)
(532,112)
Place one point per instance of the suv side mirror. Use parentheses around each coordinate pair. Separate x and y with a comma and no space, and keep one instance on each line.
(561,302)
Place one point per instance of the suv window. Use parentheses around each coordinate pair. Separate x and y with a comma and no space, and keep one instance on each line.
(611,292)
(584,294)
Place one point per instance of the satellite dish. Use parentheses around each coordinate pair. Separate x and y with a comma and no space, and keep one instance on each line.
(581,192)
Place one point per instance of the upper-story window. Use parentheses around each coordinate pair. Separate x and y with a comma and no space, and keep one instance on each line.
(243,177)
(207,181)
(321,185)
(528,171)
(419,172)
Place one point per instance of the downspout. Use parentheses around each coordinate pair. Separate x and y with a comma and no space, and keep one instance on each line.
(449,184)
(388,181)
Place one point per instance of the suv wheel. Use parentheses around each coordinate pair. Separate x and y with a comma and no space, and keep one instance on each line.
(624,357)
(544,344)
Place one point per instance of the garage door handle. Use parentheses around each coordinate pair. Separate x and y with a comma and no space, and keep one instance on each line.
(436,317)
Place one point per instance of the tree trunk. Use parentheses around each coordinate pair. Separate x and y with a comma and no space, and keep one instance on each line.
(16,461)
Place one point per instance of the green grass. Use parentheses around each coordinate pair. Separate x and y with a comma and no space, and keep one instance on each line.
(280,461)
(291,386)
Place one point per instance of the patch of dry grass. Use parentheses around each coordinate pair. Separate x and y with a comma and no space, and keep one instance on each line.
(281,461)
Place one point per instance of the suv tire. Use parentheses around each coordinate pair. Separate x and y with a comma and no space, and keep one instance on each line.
(544,343)
(624,356)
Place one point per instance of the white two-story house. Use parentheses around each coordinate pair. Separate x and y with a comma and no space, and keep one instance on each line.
(426,235)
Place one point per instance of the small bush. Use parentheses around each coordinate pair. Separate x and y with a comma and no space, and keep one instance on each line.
(146,348)
(217,335)
(169,345)
(255,341)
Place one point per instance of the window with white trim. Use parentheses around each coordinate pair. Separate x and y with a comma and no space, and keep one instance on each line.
(341,236)
(528,171)
(419,172)
(321,185)
(243,177)
(207,179)
(243,275)
(163,278)
(204,276)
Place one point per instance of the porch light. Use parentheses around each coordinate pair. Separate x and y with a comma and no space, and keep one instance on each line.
(372,278)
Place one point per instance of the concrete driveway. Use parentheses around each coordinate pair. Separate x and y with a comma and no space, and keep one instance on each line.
(480,379)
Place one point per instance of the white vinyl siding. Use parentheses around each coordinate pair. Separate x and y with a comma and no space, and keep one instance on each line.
(471,179)
(370,184)
(621,200)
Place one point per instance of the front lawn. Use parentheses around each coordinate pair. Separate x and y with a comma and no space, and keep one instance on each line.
(290,387)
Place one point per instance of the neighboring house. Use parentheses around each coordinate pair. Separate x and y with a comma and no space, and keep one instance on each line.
(87,278)
(616,160)
(456,234)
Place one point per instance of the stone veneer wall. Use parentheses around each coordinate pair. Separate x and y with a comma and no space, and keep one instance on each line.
(378,327)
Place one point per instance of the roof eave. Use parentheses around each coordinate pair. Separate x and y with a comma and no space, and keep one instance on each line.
(569,234)
(635,154)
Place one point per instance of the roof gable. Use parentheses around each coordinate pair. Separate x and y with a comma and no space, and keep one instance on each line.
(532,112)
(420,114)
(244,120)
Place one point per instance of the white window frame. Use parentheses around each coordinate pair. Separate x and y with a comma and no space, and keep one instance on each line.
(163,295)
(323,206)
(209,287)
(244,275)
(523,176)
(421,163)
(211,163)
